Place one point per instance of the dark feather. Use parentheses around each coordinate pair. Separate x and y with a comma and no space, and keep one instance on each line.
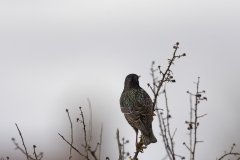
(137,107)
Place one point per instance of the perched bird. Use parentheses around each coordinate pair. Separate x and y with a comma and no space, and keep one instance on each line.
(137,107)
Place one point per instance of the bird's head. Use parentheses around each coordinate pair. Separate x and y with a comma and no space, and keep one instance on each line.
(131,81)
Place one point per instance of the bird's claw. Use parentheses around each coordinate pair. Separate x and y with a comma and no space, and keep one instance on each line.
(140,147)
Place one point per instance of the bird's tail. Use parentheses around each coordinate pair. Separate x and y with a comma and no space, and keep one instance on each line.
(150,138)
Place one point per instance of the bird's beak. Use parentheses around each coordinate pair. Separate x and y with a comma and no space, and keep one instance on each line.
(139,76)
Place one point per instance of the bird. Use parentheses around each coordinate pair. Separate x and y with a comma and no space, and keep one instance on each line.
(137,107)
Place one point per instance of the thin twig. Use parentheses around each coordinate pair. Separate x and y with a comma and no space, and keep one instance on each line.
(100,145)
(40,154)
(166,74)
(190,134)
(70,151)
(235,154)
(34,152)
(158,114)
(119,146)
(72,146)
(18,147)
(90,122)
(164,158)
(187,147)
(163,135)
(195,122)
(22,140)
(123,148)
(174,133)
(232,147)
(93,152)
(230,153)
(136,155)
(202,115)
(169,133)
(168,147)
(85,136)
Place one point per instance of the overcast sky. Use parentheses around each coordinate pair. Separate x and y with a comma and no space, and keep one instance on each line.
(56,54)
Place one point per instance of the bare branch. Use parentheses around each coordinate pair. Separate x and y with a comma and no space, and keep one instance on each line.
(90,122)
(40,155)
(202,115)
(70,151)
(163,135)
(93,151)
(195,122)
(230,153)
(187,147)
(174,133)
(18,147)
(119,146)
(190,128)
(169,133)
(72,146)
(22,141)
(35,152)
(85,136)
(166,76)
(158,114)
(100,145)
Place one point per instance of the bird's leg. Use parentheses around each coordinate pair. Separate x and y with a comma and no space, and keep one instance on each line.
(138,145)
(136,130)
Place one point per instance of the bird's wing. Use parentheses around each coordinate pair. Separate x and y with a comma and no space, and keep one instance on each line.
(134,118)
(146,113)
(141,117)
(141,112)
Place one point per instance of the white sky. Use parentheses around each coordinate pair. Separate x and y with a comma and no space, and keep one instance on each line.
(56,54)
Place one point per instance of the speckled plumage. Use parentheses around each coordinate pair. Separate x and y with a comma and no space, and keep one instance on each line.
(136,105)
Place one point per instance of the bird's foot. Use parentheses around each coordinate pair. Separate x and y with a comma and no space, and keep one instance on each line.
(140,147)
